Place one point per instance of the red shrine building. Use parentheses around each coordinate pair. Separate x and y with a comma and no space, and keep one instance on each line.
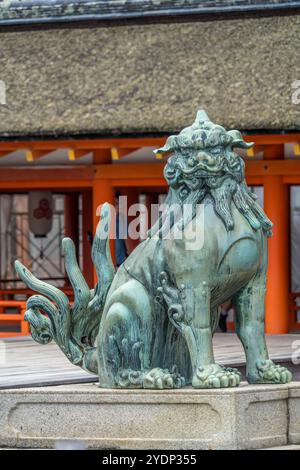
(87,93)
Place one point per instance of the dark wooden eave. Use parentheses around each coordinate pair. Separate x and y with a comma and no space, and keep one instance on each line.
(53,11)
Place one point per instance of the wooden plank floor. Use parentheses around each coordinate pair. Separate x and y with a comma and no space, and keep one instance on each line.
(26,363)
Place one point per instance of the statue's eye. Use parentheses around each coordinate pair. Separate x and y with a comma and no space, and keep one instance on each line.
(225,139)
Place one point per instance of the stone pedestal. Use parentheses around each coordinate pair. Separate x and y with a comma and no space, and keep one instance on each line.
(242,418)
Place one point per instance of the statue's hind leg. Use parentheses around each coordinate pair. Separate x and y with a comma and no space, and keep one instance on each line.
(125,341)
(250,327)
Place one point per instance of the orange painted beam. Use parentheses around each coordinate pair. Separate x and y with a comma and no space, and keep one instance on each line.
(277,298)
(254,168)
(42,178)
(52,185)
(40,174)
(271,139)
(9,334)
(139,182)
(272,167)
(291,179)
(147,174)
(129,171)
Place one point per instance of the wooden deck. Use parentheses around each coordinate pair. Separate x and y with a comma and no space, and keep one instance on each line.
(26,363)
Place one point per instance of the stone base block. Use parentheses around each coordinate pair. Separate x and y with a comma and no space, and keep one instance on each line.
(294,414)
(256,416)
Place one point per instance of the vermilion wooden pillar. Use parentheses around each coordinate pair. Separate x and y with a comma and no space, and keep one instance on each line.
(87,234)
(71,212)
(132,195)
(277,209)
(150,200)
(103,191)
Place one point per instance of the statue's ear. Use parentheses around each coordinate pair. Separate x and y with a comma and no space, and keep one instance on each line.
(169,146)
(238,141)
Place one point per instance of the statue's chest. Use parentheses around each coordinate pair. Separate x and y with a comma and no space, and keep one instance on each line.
(220,257)
(241,255)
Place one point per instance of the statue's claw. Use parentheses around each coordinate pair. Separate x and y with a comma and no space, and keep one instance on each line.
(269,373)
(216,376)
(163,378)
(155,379)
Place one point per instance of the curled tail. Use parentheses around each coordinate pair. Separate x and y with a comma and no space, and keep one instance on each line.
(73,327)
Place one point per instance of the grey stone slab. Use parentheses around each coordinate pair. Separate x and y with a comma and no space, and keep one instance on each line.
(294,414)
(262,417)
(287,447)
(244,417)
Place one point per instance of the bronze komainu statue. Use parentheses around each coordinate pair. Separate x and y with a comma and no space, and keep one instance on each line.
(151,323)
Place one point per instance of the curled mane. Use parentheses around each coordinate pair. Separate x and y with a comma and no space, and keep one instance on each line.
(203,162)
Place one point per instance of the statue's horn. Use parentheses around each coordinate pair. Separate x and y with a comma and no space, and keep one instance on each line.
(201,117)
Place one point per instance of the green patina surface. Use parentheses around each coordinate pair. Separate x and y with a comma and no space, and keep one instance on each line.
(150,323)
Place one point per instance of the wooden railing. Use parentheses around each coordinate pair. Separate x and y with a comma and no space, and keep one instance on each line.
(12,311)
(9,320)
(294,324)
(12,293)
(294,308)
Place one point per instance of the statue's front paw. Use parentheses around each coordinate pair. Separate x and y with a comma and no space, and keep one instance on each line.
(163,378)
(216,376)
(267,372)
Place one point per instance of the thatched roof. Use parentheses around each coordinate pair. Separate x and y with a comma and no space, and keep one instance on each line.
(151,78)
